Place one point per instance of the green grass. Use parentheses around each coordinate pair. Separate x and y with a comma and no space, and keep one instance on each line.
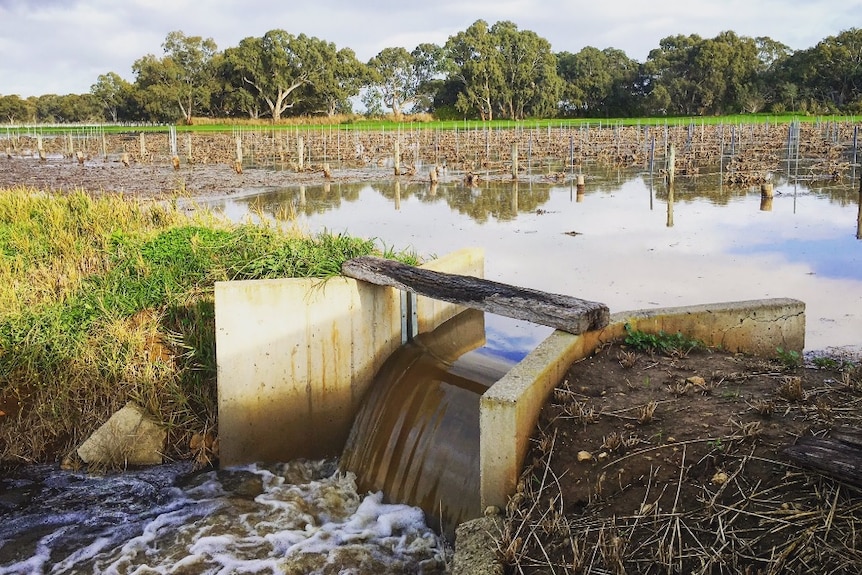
(375,124)
(93,290)
(668,343)
(789,357)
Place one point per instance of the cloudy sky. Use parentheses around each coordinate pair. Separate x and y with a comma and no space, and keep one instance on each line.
(61,46)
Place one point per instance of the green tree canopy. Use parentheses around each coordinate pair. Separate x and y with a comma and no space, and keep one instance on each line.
(597,82)
(278,65)
(112,92)
(402,80)
(184,76)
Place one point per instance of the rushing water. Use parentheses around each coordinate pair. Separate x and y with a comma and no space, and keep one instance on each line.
(618,243)
(300,517)
(416,436)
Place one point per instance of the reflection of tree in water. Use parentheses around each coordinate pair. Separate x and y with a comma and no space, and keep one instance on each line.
(501,201)
(305,200)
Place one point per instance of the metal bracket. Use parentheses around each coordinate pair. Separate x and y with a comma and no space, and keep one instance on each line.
(409,319)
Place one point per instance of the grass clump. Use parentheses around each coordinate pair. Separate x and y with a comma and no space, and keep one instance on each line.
(667,343)
(108,300)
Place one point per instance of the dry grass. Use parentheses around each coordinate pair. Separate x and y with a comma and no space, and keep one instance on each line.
(731,509)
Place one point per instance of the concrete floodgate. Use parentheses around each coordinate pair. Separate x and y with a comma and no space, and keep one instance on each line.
(297,356)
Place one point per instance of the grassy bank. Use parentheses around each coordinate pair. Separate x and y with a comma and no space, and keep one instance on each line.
(108,300)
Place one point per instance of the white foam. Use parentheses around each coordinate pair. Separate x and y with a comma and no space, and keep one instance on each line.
(287,518)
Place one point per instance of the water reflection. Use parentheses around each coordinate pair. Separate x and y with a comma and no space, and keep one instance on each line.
(723,244)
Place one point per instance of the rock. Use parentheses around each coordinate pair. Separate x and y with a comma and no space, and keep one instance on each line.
(476,547)
(584,456)
(129,437)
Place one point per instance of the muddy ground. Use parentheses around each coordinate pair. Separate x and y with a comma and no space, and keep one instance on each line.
(142,163)
(646,463)
(162,180)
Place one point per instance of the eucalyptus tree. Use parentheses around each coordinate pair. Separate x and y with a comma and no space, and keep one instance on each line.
(531,86)
(503,72)
(342,80)
(113,92)
(14,109)
(770,87)
(403,81)
(831,71)
(691,75)
(184,76)
(598,82)
(67,108)
(277,66)
(473,53)
(673,89)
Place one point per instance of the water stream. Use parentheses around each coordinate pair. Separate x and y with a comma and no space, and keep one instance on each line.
(416,437)
(299,517)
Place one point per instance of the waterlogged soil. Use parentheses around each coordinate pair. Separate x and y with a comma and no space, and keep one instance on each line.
(646,463)
(147,180)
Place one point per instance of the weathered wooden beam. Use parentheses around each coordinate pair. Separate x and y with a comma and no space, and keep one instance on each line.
(830,457)
(558,311)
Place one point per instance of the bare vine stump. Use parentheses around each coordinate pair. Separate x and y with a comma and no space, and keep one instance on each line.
(396,157)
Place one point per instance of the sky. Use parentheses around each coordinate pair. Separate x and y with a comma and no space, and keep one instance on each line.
(62,46)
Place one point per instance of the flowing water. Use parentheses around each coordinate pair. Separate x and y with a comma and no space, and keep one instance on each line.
(416,437)
(299,517)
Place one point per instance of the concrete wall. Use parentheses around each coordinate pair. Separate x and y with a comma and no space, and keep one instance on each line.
(296,356)
(510,408)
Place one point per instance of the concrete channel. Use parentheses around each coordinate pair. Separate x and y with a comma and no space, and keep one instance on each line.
(296,357)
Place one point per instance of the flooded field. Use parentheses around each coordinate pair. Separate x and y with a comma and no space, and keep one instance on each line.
(625,239)
(621,242)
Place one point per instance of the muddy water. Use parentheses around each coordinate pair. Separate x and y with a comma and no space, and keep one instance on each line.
(416,437)
(617,243)
(300,517)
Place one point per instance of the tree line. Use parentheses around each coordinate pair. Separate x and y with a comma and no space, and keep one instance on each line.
(484,72)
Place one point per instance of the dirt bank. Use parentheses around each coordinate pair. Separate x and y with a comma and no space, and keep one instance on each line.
(647,463)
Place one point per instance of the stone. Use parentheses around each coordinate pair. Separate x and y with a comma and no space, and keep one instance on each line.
(476,547)
(129,437)
(584,456)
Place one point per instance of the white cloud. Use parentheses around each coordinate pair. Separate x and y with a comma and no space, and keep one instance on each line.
(55,46)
